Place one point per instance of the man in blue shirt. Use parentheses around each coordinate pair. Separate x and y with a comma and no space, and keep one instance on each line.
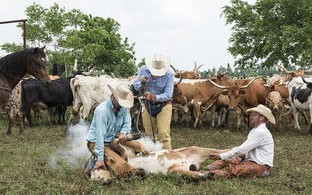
(111,118)
(156,78)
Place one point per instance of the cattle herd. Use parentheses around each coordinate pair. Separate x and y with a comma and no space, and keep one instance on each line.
(286,93)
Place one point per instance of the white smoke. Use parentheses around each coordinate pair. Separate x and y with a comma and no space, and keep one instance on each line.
(75,151)
(149,145)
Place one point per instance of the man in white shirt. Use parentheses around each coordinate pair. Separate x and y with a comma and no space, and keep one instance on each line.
(258,150)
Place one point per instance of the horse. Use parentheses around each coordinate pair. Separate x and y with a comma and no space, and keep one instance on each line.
(14,66)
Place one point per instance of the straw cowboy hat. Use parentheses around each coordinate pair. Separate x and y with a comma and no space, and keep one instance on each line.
(123,95)
(264,111)
(158,64)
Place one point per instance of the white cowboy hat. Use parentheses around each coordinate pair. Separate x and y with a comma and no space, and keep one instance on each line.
(264,111)
(158,64)
(123,95)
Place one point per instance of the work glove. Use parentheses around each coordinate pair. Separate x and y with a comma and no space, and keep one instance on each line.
(150,97)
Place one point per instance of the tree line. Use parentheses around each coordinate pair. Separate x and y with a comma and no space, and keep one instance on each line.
(264,34)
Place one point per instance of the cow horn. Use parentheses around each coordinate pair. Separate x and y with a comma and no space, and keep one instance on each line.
(217,85)
(246,86)
(222,74)
(283,68)
(305,81)
(195,67)
(75,67)
(199,67)
(180,80)
(90,72)
(173,68)
(308,70)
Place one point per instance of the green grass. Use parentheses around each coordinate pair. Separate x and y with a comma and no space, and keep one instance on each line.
(25,166)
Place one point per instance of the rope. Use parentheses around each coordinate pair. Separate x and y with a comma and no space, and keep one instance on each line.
(153,130)
(138,116)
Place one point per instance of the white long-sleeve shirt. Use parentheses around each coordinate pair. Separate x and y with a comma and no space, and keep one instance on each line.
(258,147)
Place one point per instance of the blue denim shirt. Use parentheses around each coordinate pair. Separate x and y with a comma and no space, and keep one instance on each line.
(105,125)
(161,86)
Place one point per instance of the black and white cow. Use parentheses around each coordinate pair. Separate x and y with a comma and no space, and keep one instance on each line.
(57,93)
(300,96)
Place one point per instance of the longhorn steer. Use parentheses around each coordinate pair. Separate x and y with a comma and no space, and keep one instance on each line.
(300,90)
(244,94)
(202,94)
(199,93)
(186,74)
(89,91)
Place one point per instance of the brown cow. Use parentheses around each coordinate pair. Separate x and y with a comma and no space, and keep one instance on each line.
(219,110)
(201,94)
(244,94)
(275,102)
(186,74)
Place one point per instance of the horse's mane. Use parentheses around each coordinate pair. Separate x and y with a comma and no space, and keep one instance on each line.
(17,59)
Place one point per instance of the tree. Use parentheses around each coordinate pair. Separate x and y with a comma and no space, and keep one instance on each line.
(71,35)
(270,32)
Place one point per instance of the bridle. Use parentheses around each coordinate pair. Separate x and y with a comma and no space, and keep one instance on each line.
(5,88)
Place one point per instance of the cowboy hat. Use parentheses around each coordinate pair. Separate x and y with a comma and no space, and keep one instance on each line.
(123,95)
(158,64)
(264,111)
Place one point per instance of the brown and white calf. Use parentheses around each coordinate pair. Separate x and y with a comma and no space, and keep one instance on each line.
(275,102)
(185,161)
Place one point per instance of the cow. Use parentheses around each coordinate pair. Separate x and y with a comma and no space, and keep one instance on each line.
(88,92)
(275,102)
(244,94)
(14,105)
(300,90)
(56,93)
(202,94)
(280,85)
(186,74)
(219,110)
(290,74)
(39,107)
(185,161)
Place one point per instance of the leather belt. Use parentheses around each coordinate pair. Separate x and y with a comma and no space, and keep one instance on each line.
(166,102)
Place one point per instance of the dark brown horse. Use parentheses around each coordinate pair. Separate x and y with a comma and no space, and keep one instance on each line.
(14,66)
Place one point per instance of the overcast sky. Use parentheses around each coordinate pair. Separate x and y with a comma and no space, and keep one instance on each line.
(184,30)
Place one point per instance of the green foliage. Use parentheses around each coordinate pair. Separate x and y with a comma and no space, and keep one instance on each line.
(11,47)
(270,32)
(71,35)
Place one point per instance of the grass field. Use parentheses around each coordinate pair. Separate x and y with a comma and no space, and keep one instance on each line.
(25,166)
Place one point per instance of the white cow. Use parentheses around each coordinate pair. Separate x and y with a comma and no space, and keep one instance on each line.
(88,92)
(300,90)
